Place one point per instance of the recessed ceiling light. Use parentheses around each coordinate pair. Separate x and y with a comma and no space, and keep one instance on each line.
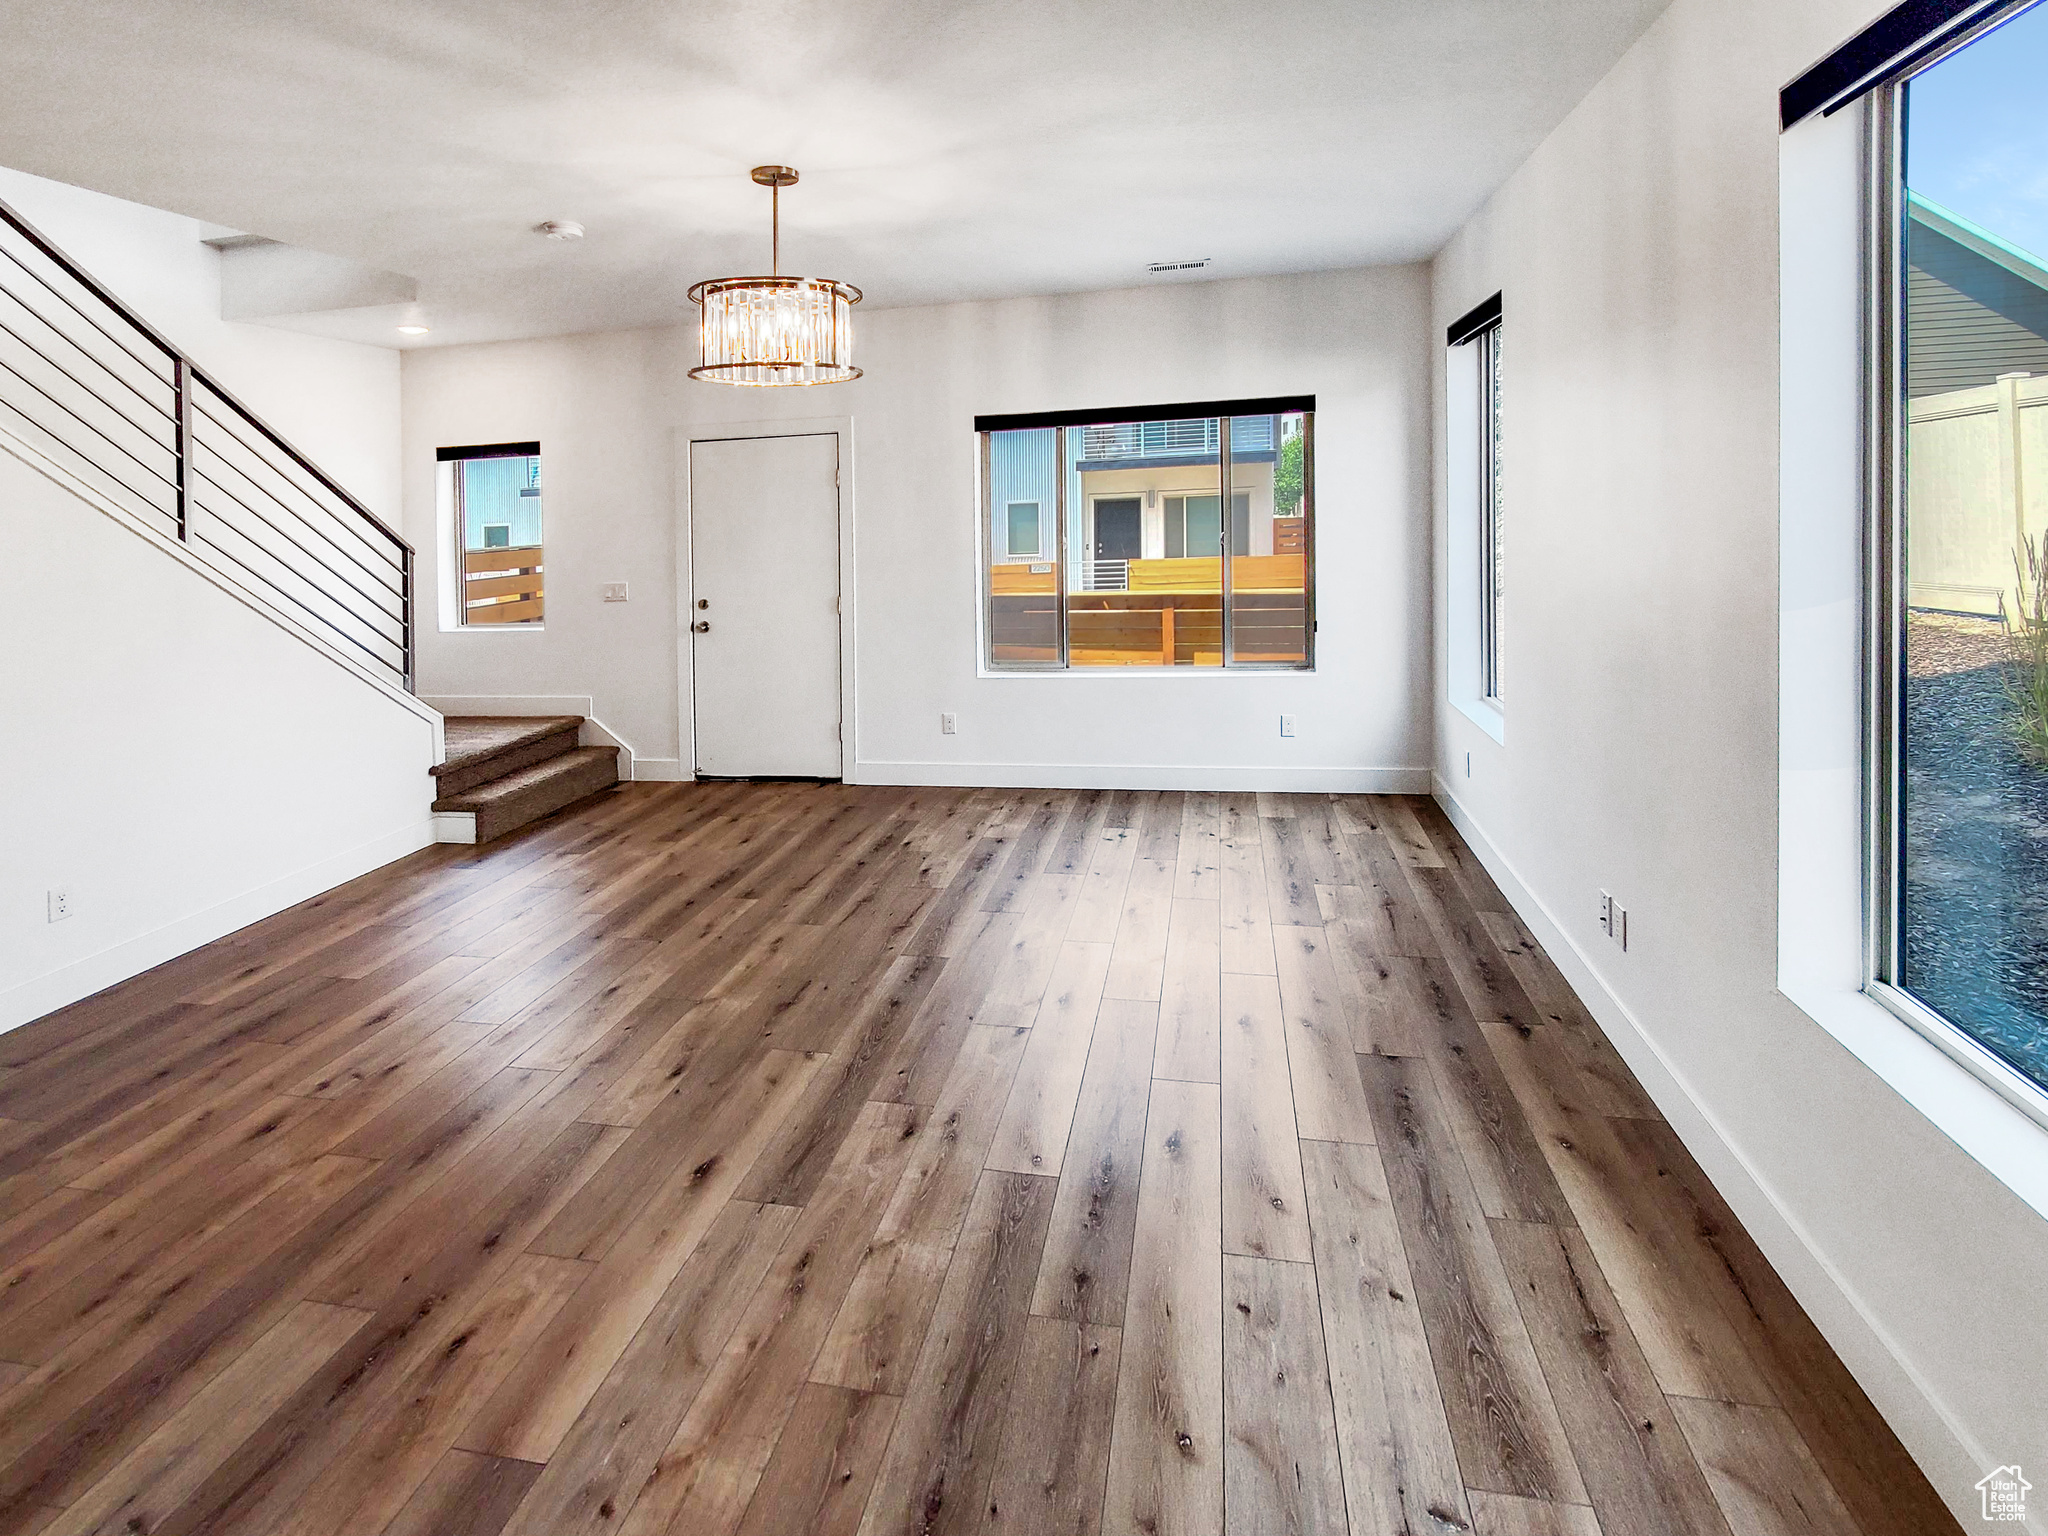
(412,330)
(560,229)
(1178,266)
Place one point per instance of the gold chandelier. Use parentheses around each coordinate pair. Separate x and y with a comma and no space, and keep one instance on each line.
(776,330)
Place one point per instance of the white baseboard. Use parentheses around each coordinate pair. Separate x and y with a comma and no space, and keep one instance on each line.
(657,770)
(454,826)
(1307,781)
(95,973)
(1943,1446)
(508,703)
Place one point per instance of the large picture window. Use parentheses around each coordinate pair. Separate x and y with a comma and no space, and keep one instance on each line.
(499,569)
(1105,541)
(1960,605)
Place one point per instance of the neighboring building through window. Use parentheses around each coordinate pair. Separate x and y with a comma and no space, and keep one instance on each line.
(1105,537)
(497,533)
(1960,604)
(1027,531)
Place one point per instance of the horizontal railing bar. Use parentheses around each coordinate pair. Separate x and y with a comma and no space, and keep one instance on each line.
(256,575)
(241,410)
(32,384)
(85,280)
(320,592)
(62,372)
(397,589)
(199,407)
(284,534)
(57,441)
(371,618)
(93,358)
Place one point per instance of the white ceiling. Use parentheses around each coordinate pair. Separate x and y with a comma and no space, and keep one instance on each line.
(948,150)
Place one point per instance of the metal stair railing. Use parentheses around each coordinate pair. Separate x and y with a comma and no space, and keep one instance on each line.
(87,382)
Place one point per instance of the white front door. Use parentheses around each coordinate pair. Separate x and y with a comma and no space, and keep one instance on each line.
(764,606)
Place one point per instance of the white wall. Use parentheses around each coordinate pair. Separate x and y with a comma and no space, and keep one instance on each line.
(1638,254)
(177,761)
(606,410)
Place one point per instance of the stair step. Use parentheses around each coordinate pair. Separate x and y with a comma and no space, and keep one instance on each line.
(474,740)
(525,795)
(458,777)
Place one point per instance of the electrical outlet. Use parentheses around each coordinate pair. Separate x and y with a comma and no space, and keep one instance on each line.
(60,905)
(1287,725)
(615,591)
(1606,917)
(949,725)
(1468,765)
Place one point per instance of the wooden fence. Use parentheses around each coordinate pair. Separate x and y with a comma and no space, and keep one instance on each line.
(501,586)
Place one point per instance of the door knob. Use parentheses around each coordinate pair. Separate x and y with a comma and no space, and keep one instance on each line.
(702,626)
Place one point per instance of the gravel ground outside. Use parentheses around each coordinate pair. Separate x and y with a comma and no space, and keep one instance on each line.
(1976,896)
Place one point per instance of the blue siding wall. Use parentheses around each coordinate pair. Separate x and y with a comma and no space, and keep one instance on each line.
(491,494)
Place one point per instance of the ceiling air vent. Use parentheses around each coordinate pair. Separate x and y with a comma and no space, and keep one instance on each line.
(1156,267)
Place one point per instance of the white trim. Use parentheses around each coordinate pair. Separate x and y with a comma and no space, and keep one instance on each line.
(454,826)
(1486,714)
(1304,781)
(686,654)
(1885,1372)
(60,476)
(660,770)
(94,973)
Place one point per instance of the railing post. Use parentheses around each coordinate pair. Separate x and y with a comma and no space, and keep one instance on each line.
(181,387)
(405,560)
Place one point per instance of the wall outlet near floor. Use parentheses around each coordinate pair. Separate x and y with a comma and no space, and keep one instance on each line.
(1614,919)
(949,725)
(1287,725)
(60,905)
(615,591)
(1468,765)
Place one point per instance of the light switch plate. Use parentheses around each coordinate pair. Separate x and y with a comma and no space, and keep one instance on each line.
(615,591)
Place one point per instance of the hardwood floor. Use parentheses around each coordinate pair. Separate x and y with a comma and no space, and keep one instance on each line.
(805,1159)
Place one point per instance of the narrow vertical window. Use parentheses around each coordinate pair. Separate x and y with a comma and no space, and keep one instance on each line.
(1163,537)
(1488,343)
(498,554)
(1473,541)
(1959,689)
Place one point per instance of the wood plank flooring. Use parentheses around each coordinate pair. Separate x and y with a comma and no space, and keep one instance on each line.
(808,1159)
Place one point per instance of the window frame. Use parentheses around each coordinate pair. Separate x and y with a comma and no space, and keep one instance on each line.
(455,458)
(1062,423)
(1882,586)
(1488,342)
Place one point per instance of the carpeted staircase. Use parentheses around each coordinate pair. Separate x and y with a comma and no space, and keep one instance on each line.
(510,770)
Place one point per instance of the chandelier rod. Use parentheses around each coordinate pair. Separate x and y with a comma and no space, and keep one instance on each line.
(775,229)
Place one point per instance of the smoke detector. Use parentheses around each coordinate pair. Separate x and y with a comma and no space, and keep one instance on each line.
(1195,265)
(560,229)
